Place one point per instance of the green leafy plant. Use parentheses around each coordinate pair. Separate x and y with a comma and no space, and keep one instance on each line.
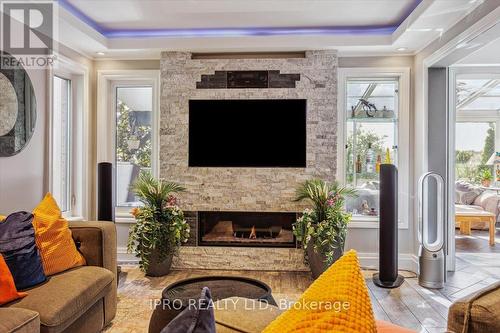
(325,225)
(160,225)
(486,175)
(126,132)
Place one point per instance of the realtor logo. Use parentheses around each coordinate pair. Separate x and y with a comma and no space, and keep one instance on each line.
(28,31)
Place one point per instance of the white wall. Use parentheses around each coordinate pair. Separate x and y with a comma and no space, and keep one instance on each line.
(22,176)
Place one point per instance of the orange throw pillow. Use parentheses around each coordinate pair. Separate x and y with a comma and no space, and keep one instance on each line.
(53,238)
(338,301)
(2,218)
(8,291)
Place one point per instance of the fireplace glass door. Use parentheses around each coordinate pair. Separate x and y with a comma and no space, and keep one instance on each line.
(246,229)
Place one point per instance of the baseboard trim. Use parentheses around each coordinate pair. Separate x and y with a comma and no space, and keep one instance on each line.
(123,257)
(406,261)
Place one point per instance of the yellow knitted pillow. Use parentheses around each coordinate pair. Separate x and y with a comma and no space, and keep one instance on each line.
(53,238)
(338,301)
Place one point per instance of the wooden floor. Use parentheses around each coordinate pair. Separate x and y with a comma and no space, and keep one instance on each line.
(410,305)
(477,242)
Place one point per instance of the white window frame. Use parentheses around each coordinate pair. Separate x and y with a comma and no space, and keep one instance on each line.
(403,75)
(78,74)
(473,116)
(107,82)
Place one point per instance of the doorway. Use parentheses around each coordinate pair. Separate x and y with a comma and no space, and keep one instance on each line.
(475,130)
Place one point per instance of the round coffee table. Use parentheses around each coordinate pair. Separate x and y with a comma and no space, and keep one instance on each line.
(177,295)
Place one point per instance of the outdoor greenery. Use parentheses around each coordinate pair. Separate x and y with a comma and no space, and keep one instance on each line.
(486,175)
(325,225)
(160,223)
(489,145)
(126,133)
(471,166)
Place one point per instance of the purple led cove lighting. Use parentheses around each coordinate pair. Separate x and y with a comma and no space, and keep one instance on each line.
(246,32)
(235,32)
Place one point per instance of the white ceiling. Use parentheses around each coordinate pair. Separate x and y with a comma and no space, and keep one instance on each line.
(147,14)
(88,25)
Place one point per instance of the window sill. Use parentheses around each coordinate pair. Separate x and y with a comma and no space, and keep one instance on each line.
(369,222)
(74,218)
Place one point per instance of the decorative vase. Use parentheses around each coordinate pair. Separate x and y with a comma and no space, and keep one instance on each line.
(486,183)
(317,261)
(157,268)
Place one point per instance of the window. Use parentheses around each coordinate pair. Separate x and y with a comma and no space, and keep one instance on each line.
(61,143)
(476,137)
(134,110)
(373,113)
(371,136)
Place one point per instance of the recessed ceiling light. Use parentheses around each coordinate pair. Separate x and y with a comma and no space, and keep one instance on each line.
(100,53)
(402,48)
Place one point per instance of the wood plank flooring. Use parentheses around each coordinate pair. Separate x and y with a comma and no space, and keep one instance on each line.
(411,305)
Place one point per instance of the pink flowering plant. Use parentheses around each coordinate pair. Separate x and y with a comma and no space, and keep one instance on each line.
(324,226)
(160,224)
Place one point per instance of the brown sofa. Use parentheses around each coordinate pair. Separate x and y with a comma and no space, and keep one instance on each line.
(80,300)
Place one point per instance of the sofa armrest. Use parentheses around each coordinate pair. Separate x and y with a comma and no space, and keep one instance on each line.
(97,243)
(16,320)
(477,312)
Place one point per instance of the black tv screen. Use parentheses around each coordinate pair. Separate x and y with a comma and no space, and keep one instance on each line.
(247,133)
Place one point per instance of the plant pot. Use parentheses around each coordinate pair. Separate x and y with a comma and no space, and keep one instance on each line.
(156,268)
(486,183)
(317,261)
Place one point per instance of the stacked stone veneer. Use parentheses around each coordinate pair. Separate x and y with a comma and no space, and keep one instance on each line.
(247,189)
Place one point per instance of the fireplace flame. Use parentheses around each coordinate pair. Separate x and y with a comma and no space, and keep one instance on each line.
(253,233)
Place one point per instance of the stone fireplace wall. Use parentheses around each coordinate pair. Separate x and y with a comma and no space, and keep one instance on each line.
(247,189)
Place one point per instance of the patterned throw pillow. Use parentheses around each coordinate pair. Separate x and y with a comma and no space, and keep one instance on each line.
(8,291)
(466,193)
(17,245)
(338,301)
(53,237)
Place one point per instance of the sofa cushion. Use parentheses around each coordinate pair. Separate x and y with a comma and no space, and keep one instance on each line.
(66,296)
(488,200)
(53,238)
(17,245)
(477,312)
(8,291)
(338,301)
(19,321)
(466,193)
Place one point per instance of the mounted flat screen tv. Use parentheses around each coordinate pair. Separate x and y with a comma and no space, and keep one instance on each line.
(247,133)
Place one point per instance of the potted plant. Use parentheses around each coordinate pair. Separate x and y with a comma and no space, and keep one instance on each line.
(160,226)
(322,229)
(486,178)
